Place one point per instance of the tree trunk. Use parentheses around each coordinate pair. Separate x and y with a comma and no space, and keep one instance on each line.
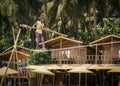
(95,20)
(0,28)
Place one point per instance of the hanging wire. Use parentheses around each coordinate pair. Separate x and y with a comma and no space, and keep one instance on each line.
(38,50)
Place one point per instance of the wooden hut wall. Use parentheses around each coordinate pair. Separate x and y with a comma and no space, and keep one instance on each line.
(82,52)
(107,50)
(116,48)
(55,54)
(73,53)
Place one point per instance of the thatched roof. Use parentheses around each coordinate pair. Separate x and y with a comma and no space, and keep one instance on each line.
(71,66)
(51,67)
(9,71)
(22,53)
(79,70)
(115,70)
(103,66)
(106,39)
(62,41)
(43,71)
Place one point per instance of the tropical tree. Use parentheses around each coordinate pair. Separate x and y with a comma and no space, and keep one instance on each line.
(7,19)
(84,20)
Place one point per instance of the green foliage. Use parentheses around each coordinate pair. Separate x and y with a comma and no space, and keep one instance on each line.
(74,18)
(39,57)
(110,26)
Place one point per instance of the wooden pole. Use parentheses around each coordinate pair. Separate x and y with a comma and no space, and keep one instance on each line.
(96,53)
(112,79)
(85,56)
(53,79)
(79,56)
(11,57)
(16,57)
(60,60)
(85,79)
(111,50)
(13,33)
(45,28)
(41,79)
(14,81)
(7,68)
(69,79)
(103,77)
(79,79)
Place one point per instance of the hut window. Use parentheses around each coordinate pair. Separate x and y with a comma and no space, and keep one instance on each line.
(65,53)
(68,53)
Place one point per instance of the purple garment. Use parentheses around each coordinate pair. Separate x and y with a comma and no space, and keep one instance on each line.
(39,38)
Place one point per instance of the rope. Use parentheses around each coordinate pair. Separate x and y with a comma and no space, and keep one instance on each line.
(38,50)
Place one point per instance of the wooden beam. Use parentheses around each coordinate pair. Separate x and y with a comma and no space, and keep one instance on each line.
(96,52)
(111,49)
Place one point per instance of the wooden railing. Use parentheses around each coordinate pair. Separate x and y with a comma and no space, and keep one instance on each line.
(88,59)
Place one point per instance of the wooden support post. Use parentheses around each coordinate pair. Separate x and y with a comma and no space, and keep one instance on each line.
(60,59)
(112,79)
(111,57)
(79,79)
(13,53)
(86,79)
(96,57)
(7,67)
(53,79)
(85,56)
(69,79)
(103,77)
(79,56)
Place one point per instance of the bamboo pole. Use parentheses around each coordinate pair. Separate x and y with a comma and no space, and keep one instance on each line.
(49,30)
(14,81)
(69,79)
(79,79)
(111,49)
(60,59)
(13,33)
(53,80)
(17,66)
(112,79)
(41,79)
(96,53)
(11,57)
(45,28)
(103,77)
(7,68)
(85,79)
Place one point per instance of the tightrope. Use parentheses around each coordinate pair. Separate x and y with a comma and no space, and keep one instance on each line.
(80,46)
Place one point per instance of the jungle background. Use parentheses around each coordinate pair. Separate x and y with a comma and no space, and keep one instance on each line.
(84,20)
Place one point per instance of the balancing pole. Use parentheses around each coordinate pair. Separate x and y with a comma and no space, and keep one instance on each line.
(45,28)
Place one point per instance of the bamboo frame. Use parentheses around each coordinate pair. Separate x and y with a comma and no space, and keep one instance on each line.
(13,57)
